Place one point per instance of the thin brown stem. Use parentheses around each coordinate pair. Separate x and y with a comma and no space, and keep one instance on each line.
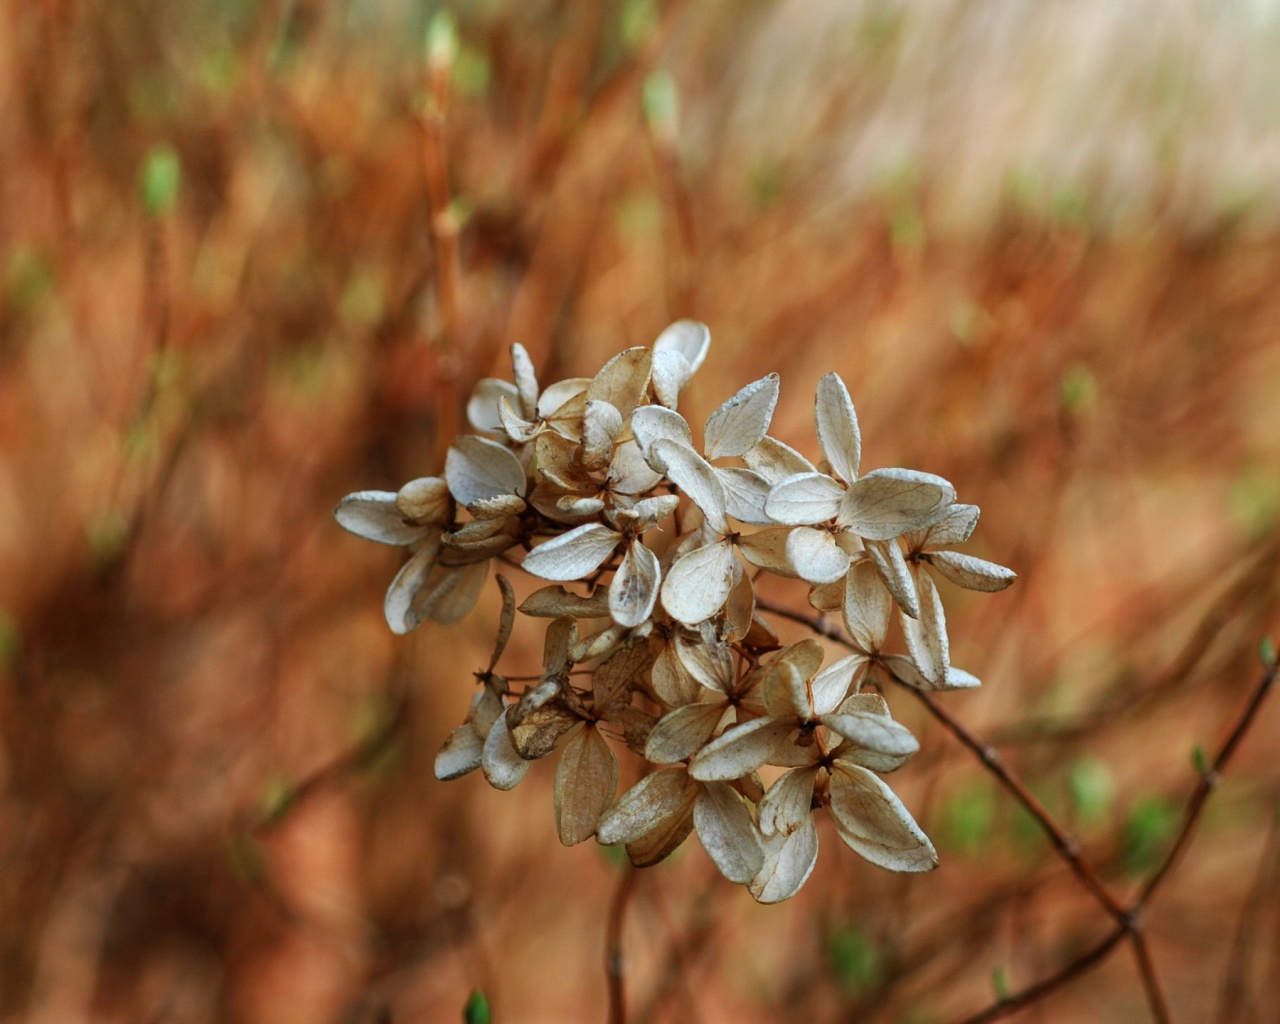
(1209,781)
(614,965)
(1011,1004)
(1156,1000)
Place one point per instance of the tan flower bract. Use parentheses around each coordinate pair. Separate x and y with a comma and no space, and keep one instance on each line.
(641,553)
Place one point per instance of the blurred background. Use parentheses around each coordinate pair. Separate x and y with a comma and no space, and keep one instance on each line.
(253,255)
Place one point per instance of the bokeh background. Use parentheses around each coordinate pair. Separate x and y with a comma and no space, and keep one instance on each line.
(253,255)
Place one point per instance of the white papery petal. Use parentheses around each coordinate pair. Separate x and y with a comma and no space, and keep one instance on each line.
(767,549)
(873,732)
(711,664)
(873,821)
(477,468)
(651,511)
(683,732)
(601,424)
(634,589)
(727,832)
(972,573)
(804,499)
(896,575)
(629,473)
(698,583)
(398,606)
(955,527)
(901,667)
(516,426)
(838,433)
(503,766)
(586,780)
(670,374)
(460,753)
(806,655)
(526,380)
(815,556)
(742,421)
(776,461)
(785,694)
(426,500)
(558,395)
(482,406)
(926,634)
(830,686)
(740,751)
(745,492)
(572,555)
(647,805)
(693,474)
(672,682)
(623,380)
(788,862)
(789,802)
(690,338)
(375,516)
(887,503)
(652,423)
(451,592)
(866,606)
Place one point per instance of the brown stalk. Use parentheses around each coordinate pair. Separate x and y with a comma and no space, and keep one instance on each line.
(1128,917)
(614,964)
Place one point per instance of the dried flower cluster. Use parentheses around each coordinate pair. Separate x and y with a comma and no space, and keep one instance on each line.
(599,481)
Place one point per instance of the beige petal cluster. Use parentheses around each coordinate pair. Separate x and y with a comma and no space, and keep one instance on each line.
(645,547)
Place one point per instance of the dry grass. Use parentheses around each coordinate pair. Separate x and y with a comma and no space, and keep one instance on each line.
(1042,251)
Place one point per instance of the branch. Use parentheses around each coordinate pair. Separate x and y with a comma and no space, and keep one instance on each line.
(614,966)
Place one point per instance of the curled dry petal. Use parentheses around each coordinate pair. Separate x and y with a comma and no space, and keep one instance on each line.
(629,473)
(506,620)
(767,549)
(740,750)
(830,686)
(698,584)
(653,423)
(785,693)
(503,765)
(647,806)
(776,461)
(601,425)
(690,338)
(477,468)
(450,592)
(837,424)
(955,527)
(804,499)
(873,822)
(623,380)
(398,606)
(482,406)
(426,500)
(926,634)
(788,862)
(745,493)
(526,380)
(896,575)
(586,780)
(727,832)
(742,421)
(789,802)
(683,732)
(671,682)
(572,555)
(634,589)
(877,733)
(693,474)
(553,601)
(815,556)
(972,573)
(887,503)
(460,753)
(866,606)
(375,516)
